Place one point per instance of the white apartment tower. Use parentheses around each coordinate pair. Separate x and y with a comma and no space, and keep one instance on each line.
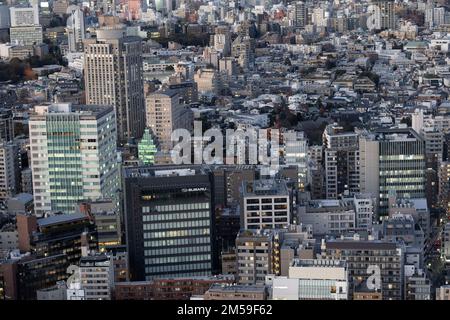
(76,30)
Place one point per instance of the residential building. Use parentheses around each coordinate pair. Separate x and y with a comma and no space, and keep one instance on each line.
(365,257)
(341,158)
(254,255)
(97,277)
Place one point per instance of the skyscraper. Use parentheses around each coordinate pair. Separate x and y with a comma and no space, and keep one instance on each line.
(296,153)
(75,30)
(300,14)
(165,113)
(168,217)
(113,76)
(72,155)
(384,17)
(392,160)
(147,149)
(9,170)
(341,162)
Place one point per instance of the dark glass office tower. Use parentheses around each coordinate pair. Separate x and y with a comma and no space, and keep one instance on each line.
(168,217)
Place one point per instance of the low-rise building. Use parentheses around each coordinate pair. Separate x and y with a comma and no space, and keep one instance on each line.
(235,292)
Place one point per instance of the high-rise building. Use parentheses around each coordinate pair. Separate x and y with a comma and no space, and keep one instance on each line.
(165,113)
(208,80)
(222,43)
(6,125)
(444,185)
(73,155)
(392,160)
(76,30)
(5,20)
(113,76)
(341,160)
(60,7)
(384,16)
(296,153)
(146,149)
(9,170)
(243,49)
(443,292)
(300,14)
(169,217)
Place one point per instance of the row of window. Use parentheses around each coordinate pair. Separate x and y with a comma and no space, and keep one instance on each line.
(176,242)
(175,216)
(177,207)
(176,233)
(176,250)
(176,225)
(179,267)
(178,259)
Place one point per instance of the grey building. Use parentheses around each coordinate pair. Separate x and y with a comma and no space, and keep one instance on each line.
(266,204)
(392,160)
(363,257)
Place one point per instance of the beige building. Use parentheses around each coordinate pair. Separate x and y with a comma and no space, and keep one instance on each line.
(207,81)
(165,113)
(113,76)
(443,293)
(254,255)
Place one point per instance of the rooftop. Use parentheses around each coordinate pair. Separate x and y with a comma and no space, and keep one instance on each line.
(60,218)
(237,288)
(360,245)
(264,187)
(325,263)
(96,111)
(163,171)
